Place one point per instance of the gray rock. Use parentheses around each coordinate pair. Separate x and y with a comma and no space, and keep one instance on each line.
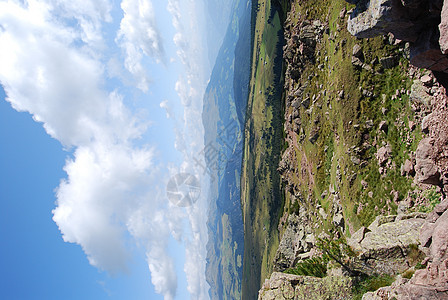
(407,169)
(355,241)
(419,94)
(383,250)
(378,17)
(383,126)
(306,102)
(293,242)
(388,62)
(426,80)
(383,155)
(357,62)
(314,135)
(357,51)
(282,286)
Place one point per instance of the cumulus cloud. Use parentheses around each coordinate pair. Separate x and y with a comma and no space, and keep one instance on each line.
(190,88)
(138,37)
(107,199)
(53,62)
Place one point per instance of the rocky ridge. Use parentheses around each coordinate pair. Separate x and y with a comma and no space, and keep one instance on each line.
(392,244)
(415,21)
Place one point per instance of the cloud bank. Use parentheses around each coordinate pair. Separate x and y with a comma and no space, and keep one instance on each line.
(53,58)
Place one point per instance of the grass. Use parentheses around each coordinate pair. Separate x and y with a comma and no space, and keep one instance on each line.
(433,198)
(316,266)
(261,192)
(370,284)
(337,117)
(344,135)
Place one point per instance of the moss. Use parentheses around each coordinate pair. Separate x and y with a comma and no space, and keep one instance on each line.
(408,274)
(433,198)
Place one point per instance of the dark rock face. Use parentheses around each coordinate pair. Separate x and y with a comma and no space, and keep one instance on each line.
(422,23)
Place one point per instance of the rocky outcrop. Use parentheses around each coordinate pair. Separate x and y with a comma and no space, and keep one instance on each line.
(296,241)
(401,289)
(287,286)
(414,21)
(383,248)
(431,156)
(431,282)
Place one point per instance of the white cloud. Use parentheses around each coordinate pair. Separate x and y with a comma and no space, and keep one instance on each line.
(48,73)
(169,111)
(95,200)
(53,66)
(138,37)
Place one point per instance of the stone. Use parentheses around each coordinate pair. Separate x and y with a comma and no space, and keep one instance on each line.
(443,29)
(383,250)
(380,220)
(383,155)
(388,62)
(338,220)
(295,103)
(407,169)
(314,135)
(439,244)
(379,17)
(294,242)
(342,13)
(282,286)
(355,160)
(426,80)
(356,238)
(413,21)
(425,168)
(383,126)
(426,234)
(357,51)
(306,102)
(357,62)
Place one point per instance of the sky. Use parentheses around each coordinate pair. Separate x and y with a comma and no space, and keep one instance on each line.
(100,106)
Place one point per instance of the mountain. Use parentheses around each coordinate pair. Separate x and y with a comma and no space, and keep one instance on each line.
(217,14)
(223,118)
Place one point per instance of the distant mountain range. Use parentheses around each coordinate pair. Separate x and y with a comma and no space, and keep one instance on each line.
(223,119)
(217,17)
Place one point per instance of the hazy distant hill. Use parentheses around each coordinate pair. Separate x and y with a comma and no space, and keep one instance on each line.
(223,119)
(217,17)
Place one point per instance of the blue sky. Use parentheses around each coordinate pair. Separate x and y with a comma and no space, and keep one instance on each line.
(100,105)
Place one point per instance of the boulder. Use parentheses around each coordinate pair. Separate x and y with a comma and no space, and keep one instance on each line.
(357,51)
(414,21)
(384,249)
(407,169)
(287,286)
(425,168)
(443,29)
(378,17)
(295,241)
(383,155)
(388,62)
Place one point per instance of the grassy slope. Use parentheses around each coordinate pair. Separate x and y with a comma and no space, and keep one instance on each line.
(338,119)
(261,195)
(261,191)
